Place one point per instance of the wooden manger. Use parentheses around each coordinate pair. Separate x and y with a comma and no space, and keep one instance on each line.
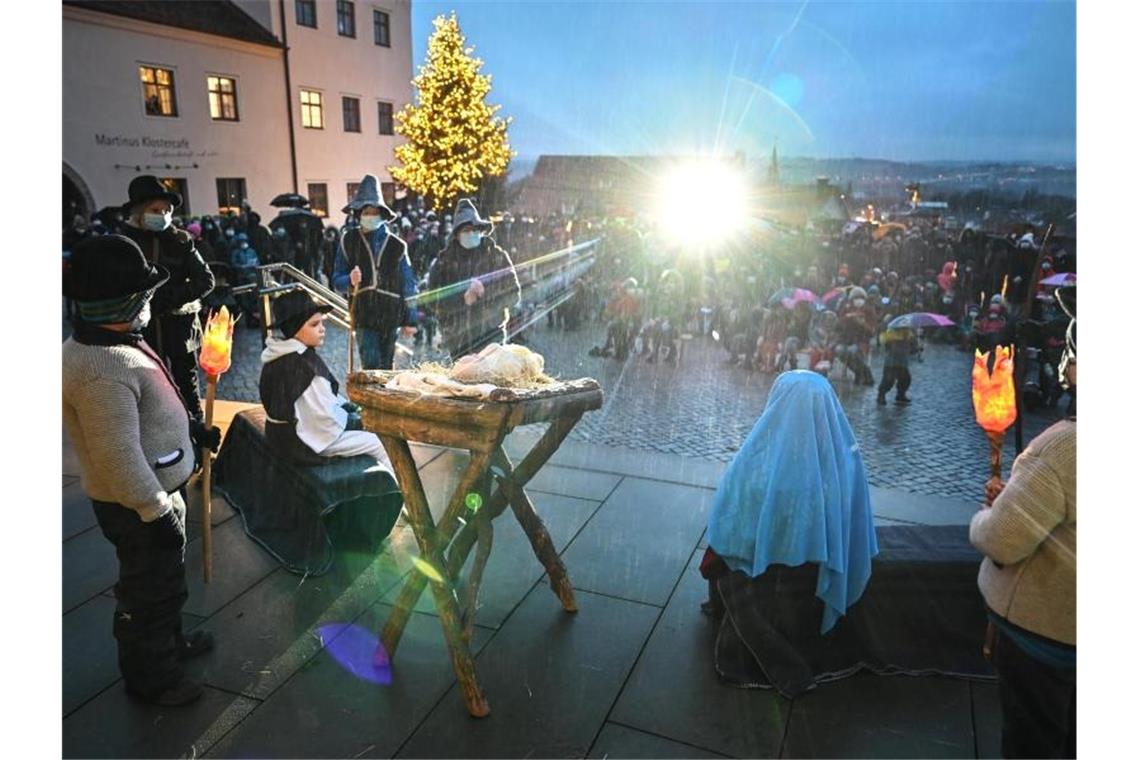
(400,417)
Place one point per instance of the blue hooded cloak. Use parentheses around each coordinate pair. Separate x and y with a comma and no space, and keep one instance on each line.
(797,492)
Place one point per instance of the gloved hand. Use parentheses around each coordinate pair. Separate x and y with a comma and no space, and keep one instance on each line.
(350,407)
(205,437)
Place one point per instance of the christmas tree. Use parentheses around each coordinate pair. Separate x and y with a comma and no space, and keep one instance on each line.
(454,138)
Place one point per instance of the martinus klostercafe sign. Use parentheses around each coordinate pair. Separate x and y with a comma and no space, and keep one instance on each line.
(161,147)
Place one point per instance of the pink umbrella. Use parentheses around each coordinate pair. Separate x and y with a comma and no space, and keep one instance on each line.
(919,319)
(1059,279)
(800,295)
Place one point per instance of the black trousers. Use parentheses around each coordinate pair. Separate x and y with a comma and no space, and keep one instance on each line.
(891,375)
(175,331)
(1038,704)
(151,592)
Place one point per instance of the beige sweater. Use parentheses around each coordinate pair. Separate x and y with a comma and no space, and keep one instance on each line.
(1031,531)
(129,428)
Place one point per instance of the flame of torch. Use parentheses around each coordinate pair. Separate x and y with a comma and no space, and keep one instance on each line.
(995,405)
(217,341)
(214,359)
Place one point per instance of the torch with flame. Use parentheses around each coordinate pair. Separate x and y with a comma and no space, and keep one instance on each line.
(995,405)
(214,359)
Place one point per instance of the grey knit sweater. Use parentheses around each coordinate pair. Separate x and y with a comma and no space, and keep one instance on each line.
(1031,531)
(128,426)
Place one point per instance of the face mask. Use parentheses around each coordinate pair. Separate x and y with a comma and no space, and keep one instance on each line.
(142,320)
(370,223)
(229,233)
(841,279)
(156,222)
(470,240)
(858,303)
(244,246)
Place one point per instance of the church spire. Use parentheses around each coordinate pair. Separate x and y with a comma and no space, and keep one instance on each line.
(774,168)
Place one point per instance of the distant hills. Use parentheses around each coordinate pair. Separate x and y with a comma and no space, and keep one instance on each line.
(878,177)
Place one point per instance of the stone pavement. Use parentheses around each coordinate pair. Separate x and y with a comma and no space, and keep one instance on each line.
(630,675)
(705,409)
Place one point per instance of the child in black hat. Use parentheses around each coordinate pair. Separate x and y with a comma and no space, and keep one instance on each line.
(306,419)
(135,440)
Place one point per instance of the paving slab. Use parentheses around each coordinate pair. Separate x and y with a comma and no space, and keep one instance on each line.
(621,741)
(327,711)
(882,716)
(78,514)
(90,567)
(114,725)
(671,467)
(220,509)
(90,658)
(550,678)
(239,563)
(987,719)
(638,543)
(921,508)
(674,691)
(512,569)
(584,484)
(270,631)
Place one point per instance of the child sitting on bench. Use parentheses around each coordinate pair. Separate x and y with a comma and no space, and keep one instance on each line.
(306,420)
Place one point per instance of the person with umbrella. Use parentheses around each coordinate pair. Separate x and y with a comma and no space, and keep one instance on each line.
(898,345)
(303,230)
(375,261)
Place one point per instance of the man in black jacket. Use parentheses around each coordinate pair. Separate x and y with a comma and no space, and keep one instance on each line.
(486,285)
(174,330)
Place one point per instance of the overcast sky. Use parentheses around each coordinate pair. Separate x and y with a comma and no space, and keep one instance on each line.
(906,81)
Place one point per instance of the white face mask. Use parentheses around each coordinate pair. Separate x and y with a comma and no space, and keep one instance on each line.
(370,223)
(858,303)
(470,240)
(142,320)
(157,222)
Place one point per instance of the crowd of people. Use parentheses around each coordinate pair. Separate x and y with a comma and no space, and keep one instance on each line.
(825,301)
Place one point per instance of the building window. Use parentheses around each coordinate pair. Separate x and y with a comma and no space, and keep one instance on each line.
(178,185)
(223,98)
(231,192)
(386,126)
(351,189)
(351,109)
(381,29)
(388,192)
(319,199)
(306,11)
(312,110)
(345,18)
(158,91)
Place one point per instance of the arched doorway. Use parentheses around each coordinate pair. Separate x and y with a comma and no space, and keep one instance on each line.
(76,196)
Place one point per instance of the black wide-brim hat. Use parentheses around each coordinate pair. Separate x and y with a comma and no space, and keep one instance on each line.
(292,309)
(110,266)
(148,187)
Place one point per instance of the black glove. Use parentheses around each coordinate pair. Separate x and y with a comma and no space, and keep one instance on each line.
(205,437)
(350,407)
(354,422)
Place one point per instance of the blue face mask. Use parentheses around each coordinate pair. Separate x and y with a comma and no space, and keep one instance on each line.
(156,222)
(370,223)
(470,240)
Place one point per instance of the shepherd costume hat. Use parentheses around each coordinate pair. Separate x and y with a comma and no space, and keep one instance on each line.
(110,267)
(147,187)
(466,213)
(368,194)
(292,310)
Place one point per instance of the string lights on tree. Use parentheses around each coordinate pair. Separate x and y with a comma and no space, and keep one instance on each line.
(454,137)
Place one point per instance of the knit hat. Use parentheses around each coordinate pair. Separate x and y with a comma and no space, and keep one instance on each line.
(292,310)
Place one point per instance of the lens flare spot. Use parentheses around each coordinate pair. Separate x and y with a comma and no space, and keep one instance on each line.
(426,568)
(788,88)
(473,501)
(357,651)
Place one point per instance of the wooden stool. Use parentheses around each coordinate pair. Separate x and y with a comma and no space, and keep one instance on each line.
(479,426)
